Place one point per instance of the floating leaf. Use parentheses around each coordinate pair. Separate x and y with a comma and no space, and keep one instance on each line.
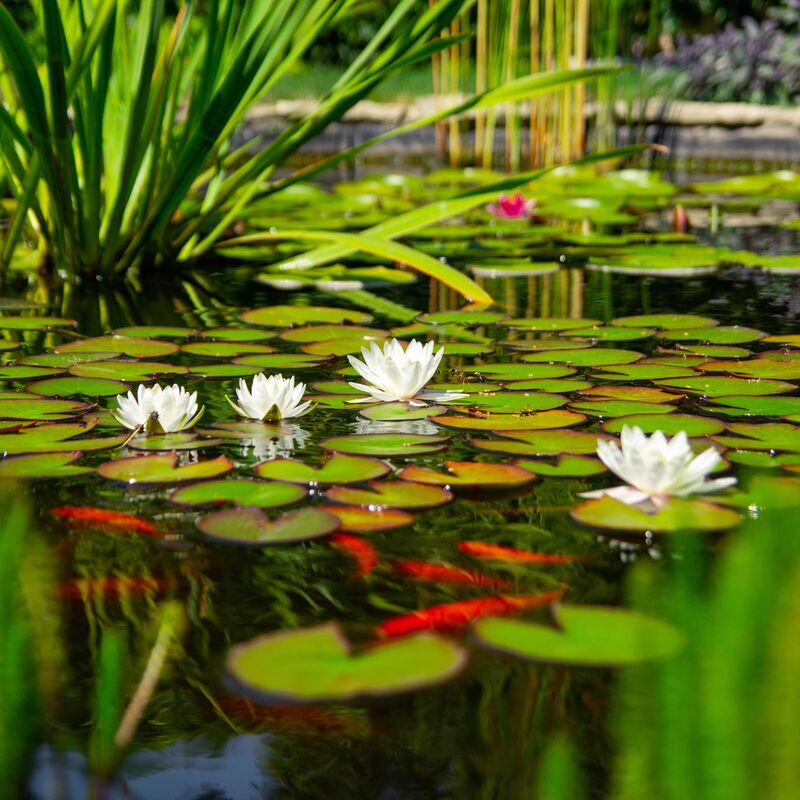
(756,368)
(586,636)
(242,429)
(399,412)
(610,333)
(40,409)
(469,475)
(155,332)
(609,514)
(25,323)
(56,438)
(477,387)
(665,321)
(714,351)
(564,467)
(723,334)
(222,371)
(671,425)
(594,357)
(162,468)
(236,334)
(620,408)
(64,360)
(511,403)
(521,372)
(640,394)
(14,372)
(548,385)
(279,361)
(132,371)
(541,443)
(386,444)
(461,317)
(779,436)
(225,349)
(88,387)
(643,372)
(539,420)
(339,469)
(126,345)
(323,333)
(549,323)
(185,440)
(241,492)
(712,386)
(545,344)
(42,465)
(284,316)
(390,494)
(369,520)
(314,665)
(342,346)
(248,525)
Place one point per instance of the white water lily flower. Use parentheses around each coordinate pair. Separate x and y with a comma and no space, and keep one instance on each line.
(657,468)
(270,398)
(394,374)
(157,410)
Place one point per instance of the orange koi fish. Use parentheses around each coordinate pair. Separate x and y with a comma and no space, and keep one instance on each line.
(494,552)
(103,518)
(442,573)
(359,549)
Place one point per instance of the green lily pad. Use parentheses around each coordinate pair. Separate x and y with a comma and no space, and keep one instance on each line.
(593,357)
(67,387)
(42,465)
(549,323)
(244,429)
(538,420)
(162,468)
(457,349)
(126,345)
(665,321)
(64,360)
(723,334)
(284,316)
(756,459)
(469,475)
(240,492)
(511,402)
(390,494)
(461,317)
(342,346)
(769,406)
(554,385)
(711,386)
(541,443)
(222,371)
(639,394)
(756,368)
(609,514)
(789,340)
(155,332)
(236,334)
(26,323)
(780,436)
(56,438)
(322,333)
(620,408)
(14,372)
(278,361)
(40,409)
(133,371)
(642,372)
(249,525)
(671,425)
(385,444)
(544,345)
(714,351)
(399,412)
(338,469)
(184,440)
(478,387)
(564,467)
(356,519)
(521,372)
(586,636)
(610,333)
(225,349)
(314,665)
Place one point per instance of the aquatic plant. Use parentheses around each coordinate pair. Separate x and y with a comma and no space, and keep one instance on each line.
(270,398)
(157,410)
(513,207)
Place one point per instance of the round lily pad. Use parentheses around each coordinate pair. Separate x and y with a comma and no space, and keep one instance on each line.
(779,436)
(538,420)
(284,316)
(244,429)
(339,469)
(42,465)
(769,406)
(714,351)
(665,321)
(23,372)
(134,371)
(64,360)
(290,361)
(554,385)
(162,468)
(27,323)
(240,492)
(756,368)
(225,349)
(322,333)
(222,371)
(608,333)
(461,317)
(548,343)
(236,334)
(620,408)
(341,346)
(469,475)
(478,387)
(250,526)
(712,386)
(642,372)
(184,440)
(314,665)
(390,494)
(40,409)
(155,332)
(592,357)
(639,394)
(399,412)
(513,269)
(521,372)
(549,323)
(722,334)
(127,345)
(386,444)
(56,438)
(356,519)
(511,402)
(671,425)
(564,467)
(540,443)
(88,387)
(584,636)
(609,514)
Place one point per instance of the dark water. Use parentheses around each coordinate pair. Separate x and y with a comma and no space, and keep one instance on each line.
(475,737)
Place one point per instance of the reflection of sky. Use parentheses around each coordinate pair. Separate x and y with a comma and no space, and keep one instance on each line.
(413,427)
(264,447)
(182,771)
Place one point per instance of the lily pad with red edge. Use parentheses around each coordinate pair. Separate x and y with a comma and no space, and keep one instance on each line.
(665,321)
(183,440)
(133,371)
(538,420)
(606,513)
(554,385)
(469,475)
(640,394)
(29,323)
(583,636)
(356,519)
(126,345)
(564,467)
(520,372)
(756,368)
(67,387)
(541,443)
(41,409)
(42,465)
(620,408)
(511,402)
(279,361)
(221,371)
(642,372)
(386,444)
(23,372)
(591,357)
(671,425)
(722,334)
(549,323)
(63,361)
(250,526)
(399,412)
(240,492)
(236,334)
(155,332)
(284,316)
(162,468)
(390,494)
(56,438)
(608,333)
(225,349)
(316,665)
(769,406)
(339,469)
(461,317)
(779,436)
(717,386)
(323,333)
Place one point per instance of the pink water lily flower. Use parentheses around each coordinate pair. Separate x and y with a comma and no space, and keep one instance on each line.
(514,207)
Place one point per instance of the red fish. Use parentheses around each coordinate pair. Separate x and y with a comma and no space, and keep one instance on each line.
(103,518)
(495,552)
(359,549)
(452,616)
(442,573)
(112,586)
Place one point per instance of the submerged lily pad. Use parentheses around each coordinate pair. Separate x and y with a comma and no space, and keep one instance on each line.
(386,444)
(541,443)
(390,494)
(88,387)
(564,467)
(609,514)
(469,475)
(585,636)
(162,468)
(284,316)
(674,423)
(127,345)
(248,525)
(42,465)
(314,665)
(241,492)
(339,469)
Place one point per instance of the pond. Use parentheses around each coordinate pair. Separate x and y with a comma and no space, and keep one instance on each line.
(422,558)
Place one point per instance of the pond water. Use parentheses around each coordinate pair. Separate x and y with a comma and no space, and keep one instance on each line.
(560,363)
